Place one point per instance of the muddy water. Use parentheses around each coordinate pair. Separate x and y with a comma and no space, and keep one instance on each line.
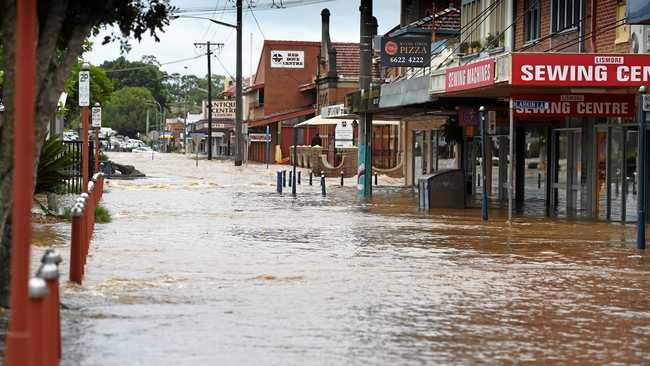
(208,266)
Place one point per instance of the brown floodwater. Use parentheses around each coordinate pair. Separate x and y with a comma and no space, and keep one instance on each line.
(209,266)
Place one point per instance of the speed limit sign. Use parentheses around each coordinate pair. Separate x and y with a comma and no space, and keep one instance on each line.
(97,117)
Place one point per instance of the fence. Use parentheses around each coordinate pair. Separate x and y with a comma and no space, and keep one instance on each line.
(73,183)
(83,225)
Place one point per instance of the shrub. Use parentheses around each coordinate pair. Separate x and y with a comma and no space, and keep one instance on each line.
(102,215)
(55,159)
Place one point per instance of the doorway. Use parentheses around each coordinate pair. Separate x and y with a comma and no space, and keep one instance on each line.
(567,173)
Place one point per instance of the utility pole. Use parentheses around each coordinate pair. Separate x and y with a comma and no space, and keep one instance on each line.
(238,93)
(364,170)
(209,54)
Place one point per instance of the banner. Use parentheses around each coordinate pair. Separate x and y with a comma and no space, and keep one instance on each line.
(406,50)
(580,70)
(288,59)
(574,105)
(470,76)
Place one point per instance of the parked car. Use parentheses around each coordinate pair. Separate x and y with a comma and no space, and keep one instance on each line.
(142,149)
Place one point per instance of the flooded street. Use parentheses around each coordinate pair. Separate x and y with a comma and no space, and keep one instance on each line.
(209,266)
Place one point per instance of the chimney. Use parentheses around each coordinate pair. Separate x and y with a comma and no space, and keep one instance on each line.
(332,72)
(326,42)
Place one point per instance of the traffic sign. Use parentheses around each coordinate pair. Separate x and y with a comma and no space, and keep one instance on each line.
(84,88)
(97,117)
(154,135)
(646,103)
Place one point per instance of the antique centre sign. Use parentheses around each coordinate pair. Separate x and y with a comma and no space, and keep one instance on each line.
(288,59)
(580,70)
(221,109)
(470,76)
(576,105)
(406,50)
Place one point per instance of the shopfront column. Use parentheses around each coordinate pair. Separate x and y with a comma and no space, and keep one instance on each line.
(520,163)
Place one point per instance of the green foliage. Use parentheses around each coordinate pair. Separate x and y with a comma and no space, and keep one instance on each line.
(102,215)
(101,88)
(126,110)
(145,73)
(52,166)
(452,131)
(102,157)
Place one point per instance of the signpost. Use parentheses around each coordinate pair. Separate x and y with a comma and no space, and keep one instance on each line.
(84,102)
(344,135)
(154,136)
(196,139)
(97,125)
(268,145)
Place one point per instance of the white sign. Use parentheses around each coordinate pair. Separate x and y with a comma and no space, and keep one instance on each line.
(333,111)
(154,135)
(288,59)
(84,88)
(259,137)
(344,134)
(97,117)
(197,138)
(646,103)
(221,109)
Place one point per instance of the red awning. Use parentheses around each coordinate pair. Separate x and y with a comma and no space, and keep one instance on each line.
(280,117)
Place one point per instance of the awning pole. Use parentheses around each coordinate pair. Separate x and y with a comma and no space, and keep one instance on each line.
(511,159)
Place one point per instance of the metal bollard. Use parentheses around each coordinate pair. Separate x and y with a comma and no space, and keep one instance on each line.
(322,184)
(279,181)
(37,291)
(299,177)
(284,178)
(76,245)
(52,256)
(311,174)
(342,175)
(539,180)
(376,180)
(50,273)
(290,178)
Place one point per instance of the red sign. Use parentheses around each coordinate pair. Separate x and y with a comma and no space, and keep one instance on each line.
(575,105)
(470,76)
(544,69)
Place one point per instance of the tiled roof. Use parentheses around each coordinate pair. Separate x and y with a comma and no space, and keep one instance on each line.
(348,59)
(447,20)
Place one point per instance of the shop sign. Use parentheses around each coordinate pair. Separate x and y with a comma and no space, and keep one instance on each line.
(406,50)
(580,70)
(470,76)
(288,59)
(575,105)
(344,135)
(333,111)
(259,137)
(221,109)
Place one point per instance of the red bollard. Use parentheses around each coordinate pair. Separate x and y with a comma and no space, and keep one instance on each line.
(50,273)
(37,289)
(53,257)
(76,244)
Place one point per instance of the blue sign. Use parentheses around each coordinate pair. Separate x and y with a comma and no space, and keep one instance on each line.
(638,12)
(531,104)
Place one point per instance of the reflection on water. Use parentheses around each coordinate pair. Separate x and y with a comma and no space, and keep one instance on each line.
(209,266)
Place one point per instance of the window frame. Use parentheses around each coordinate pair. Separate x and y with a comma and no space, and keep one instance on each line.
(536,14)
(569,6)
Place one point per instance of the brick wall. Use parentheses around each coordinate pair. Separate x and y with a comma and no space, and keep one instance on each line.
(568,41)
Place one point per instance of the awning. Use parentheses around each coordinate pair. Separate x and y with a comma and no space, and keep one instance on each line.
(280,117)
(320,121)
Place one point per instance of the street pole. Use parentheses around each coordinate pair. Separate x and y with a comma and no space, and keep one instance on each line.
(209,103)
(267,151)
(84,82)
(640,236)
(17,351)
(484,201)
(511,155)
(295,160)
(364,170)
(238,90)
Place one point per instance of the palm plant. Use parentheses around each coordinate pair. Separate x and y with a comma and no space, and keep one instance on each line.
(53,166)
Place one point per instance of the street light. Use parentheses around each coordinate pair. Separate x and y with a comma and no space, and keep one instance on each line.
(238,77)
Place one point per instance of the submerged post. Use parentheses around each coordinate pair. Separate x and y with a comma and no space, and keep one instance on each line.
(322,184)
(484,200)
(644,106)
(279,182)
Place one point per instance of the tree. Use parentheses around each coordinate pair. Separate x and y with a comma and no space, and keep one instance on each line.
(101,88)
(126,110)
(145,73)
(63,27)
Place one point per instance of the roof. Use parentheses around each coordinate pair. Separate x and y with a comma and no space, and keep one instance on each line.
(281,116)
(447,21)
(348,60)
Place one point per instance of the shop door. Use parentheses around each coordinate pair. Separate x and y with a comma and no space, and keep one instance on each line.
(566,189)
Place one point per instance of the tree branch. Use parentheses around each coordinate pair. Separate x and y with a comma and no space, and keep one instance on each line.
(49,36)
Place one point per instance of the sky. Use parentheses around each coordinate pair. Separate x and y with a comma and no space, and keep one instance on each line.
(297,23)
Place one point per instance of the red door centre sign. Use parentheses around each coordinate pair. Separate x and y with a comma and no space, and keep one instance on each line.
(580,70)
(470,76)
(576,105)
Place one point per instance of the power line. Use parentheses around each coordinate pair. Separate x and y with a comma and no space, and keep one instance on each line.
(601,30)
(160,64)
(223,66)
(255,18)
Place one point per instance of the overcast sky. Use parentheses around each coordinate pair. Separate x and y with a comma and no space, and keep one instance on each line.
(297,23)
